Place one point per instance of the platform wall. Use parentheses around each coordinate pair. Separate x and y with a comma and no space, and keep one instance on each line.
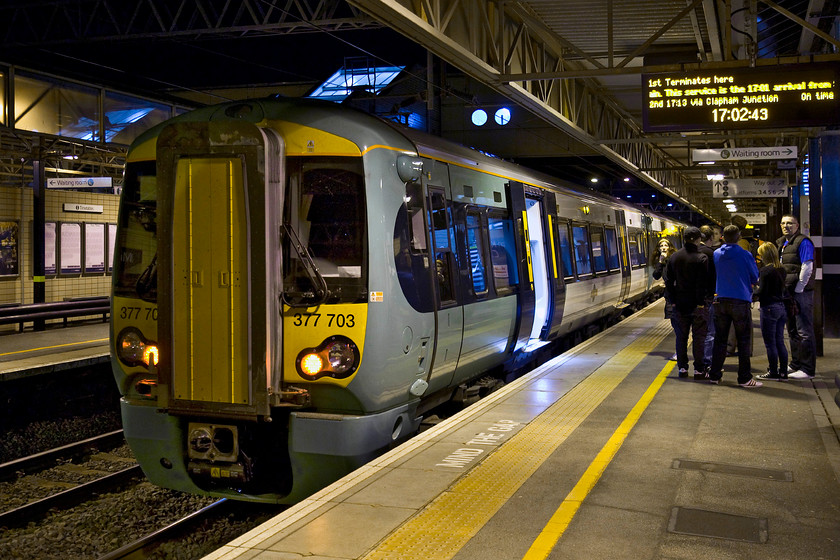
(16,263)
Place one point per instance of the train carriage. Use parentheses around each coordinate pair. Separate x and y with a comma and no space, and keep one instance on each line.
(297,282)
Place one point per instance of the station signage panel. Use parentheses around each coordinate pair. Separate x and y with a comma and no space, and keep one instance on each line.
(742,98)
(80,183)
(742,154)
(751,187)
(753,218)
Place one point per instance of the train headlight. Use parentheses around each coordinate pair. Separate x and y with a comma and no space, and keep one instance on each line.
(134,350)
(336,357)
(341,356)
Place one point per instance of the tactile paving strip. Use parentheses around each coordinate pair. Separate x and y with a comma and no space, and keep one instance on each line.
(440,530)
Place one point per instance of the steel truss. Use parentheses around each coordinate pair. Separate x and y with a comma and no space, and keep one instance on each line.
(59,156)
(495,41)
(52,22)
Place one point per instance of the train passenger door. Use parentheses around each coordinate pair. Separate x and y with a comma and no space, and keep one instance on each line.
(623,259)
(449,324)
(519,207)
(535,228)
(556,273)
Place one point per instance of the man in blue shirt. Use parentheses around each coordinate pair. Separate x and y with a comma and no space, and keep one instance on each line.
(736,273)
(797,254)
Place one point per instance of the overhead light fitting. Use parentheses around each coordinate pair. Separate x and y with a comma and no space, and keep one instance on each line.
(715,177)
(593,180)
(706,163)
(728,200)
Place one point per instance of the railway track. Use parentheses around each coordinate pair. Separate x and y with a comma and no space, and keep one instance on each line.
(142,547)
(67,475)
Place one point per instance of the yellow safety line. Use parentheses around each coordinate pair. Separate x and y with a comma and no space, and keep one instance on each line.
(440,530)
(556,526)
(51,347)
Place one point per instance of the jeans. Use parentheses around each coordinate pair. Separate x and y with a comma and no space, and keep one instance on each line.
(773,319)
(695,321)
(800,327)
(732,312)
(710,337)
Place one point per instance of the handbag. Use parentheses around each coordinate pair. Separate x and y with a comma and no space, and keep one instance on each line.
(791,307)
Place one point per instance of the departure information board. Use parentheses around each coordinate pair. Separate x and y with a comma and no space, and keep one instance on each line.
(742,98)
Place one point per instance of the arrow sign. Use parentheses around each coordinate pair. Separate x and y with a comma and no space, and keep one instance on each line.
(750,187)
(740,154)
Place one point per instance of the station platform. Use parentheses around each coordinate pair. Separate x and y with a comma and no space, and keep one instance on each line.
(603,452)
(54,349)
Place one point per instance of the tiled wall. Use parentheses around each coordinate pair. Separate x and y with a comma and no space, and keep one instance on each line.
(16,204)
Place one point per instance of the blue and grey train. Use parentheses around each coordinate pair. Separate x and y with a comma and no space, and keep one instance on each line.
(297,283)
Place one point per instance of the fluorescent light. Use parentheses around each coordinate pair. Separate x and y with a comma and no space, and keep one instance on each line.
(715,177)
(728,201)
(593,180)
(706,163)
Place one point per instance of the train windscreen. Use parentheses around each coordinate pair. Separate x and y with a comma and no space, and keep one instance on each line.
(135,266)
(325,215)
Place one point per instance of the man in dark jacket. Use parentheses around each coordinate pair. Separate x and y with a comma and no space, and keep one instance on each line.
(797,254)
(690,283)
(736,276)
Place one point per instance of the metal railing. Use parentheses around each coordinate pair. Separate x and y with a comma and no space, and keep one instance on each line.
(40,312)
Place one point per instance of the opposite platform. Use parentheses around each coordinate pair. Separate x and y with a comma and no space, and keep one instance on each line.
(601,453)
(54,349)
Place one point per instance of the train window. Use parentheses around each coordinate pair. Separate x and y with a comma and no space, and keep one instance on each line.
(475,249)
(565,249)
(325,209)
(633,244)
(643,248)
(135,267)
(596,235)
(612,249)
(581,242)
(414,205)
(444,259)
(502,252)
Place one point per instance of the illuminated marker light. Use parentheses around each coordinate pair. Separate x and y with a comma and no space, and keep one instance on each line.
(150,355)
(311,364)
(502,116)
(479,117)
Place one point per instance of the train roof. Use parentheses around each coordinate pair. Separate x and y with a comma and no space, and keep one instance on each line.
(367,130)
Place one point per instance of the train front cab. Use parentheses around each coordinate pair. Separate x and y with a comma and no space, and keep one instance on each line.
(203,279)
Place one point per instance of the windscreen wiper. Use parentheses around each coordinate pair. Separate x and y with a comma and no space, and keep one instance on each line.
(319,284)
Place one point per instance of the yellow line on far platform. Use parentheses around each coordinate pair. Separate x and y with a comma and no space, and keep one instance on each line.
(556,526)
(51,347)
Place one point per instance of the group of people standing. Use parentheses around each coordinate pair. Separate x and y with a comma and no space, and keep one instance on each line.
(709,290)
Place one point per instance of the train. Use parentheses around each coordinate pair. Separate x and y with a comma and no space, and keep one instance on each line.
(297,283)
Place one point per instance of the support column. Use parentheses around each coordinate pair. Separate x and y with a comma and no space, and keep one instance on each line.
(827,240)
(39,185)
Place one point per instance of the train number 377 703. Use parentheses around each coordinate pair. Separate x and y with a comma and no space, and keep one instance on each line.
(147,313)
(339,320)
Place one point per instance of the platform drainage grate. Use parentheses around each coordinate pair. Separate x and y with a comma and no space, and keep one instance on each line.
(703,523)
(722,468)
